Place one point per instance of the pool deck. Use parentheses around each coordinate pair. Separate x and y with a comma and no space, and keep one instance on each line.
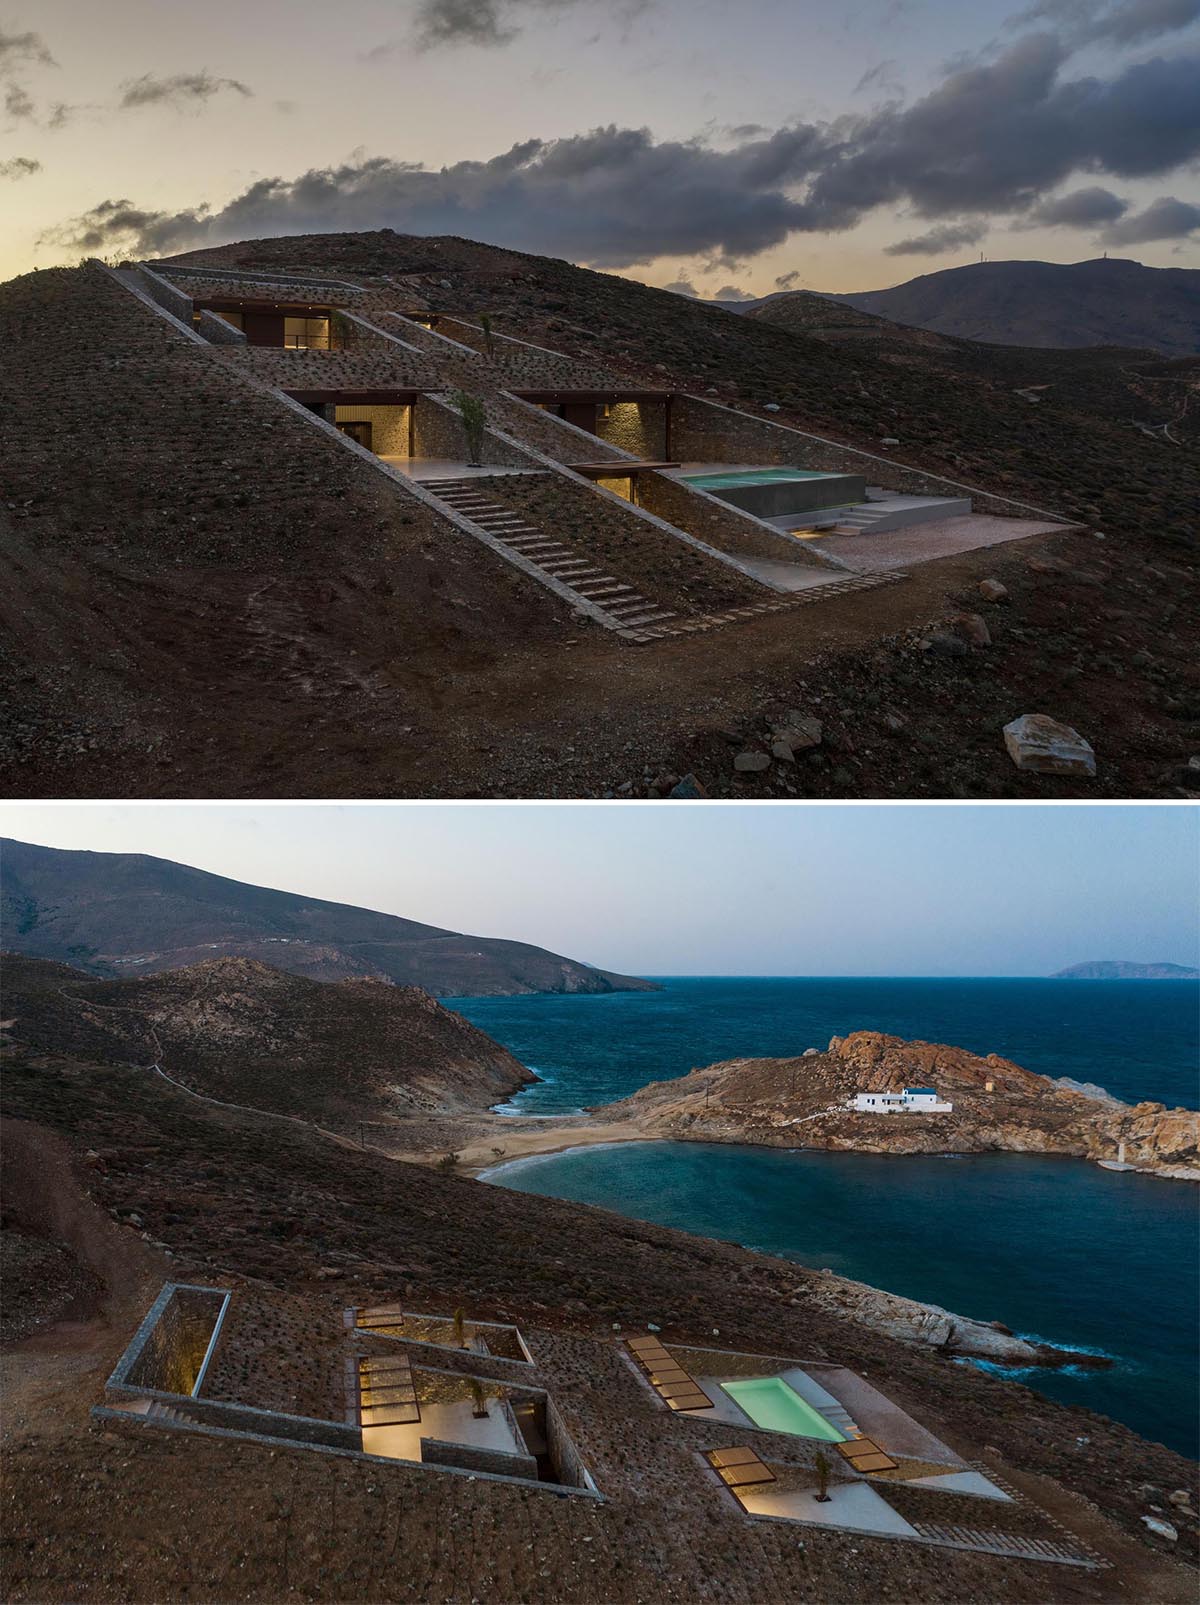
(869,553)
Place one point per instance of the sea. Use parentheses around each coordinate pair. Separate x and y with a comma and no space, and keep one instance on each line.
(1058,1249)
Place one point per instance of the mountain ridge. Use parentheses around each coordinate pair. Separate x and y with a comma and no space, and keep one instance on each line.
(117,913)
(1102,302)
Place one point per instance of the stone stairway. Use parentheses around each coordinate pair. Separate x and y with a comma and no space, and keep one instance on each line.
(1017,1545)
(169,1412)
(623,608)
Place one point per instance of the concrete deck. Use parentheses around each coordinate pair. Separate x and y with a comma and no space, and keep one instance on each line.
(876,553)
(448,1423)
(893,1429)
(852,1505)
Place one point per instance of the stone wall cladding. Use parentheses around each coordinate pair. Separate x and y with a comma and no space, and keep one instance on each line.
(168,295)
(703,431)
(170,1345)
(438,432)
(564,1456)
(564,442)
(473,1457)
(659,564)
(389,426)
(638,427)
(203,287)
(721,525)
(217,331)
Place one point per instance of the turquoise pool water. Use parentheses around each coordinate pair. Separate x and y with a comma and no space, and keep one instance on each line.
(770,1402)
(751,476)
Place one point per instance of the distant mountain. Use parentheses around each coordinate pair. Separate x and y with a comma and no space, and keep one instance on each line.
(1099,303)
(119,914)
(1124,970)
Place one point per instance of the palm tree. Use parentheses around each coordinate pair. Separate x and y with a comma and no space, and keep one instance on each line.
(479,1397)
(460,1328)
(822,1465)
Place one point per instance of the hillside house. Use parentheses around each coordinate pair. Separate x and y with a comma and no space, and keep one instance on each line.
(912,1100)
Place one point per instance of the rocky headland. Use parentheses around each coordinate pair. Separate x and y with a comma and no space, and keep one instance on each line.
(997,1105)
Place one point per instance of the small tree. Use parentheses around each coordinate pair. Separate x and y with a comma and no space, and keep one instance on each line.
(460,1327)
(448,1162)
(489,345)
(479,1397)
(822,1465)
(474,421)
(499,1152)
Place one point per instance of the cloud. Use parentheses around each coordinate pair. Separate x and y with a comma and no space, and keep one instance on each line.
(1117,22)
(788,281)
(23,50)
(20,167)
(182,90)
(682,287)
(612,197)
(883,76)
(992,139)
(1164,219)
(486,22)
(1082,208)
(945,237)
(17,104)
(730,292)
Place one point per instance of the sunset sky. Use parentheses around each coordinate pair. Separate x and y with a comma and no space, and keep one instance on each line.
(751,889)
(752,146)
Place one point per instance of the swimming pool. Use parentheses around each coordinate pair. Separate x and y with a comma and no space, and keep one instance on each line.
(752,476)
(770,1402)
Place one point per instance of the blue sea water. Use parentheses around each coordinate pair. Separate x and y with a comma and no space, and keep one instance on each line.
(1055,1248)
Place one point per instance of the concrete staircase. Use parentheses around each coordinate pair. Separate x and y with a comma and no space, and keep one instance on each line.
(622,607)
(1017,1545)
(885,510)
(170,1413)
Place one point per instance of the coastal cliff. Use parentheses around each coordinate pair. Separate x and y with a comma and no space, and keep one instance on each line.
(997,1105)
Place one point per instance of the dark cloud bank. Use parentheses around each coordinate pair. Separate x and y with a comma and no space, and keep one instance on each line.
(995,138)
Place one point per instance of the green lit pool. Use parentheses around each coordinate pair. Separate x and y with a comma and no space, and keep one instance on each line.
(752,476)
(770,1402)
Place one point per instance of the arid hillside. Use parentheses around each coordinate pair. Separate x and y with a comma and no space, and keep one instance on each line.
(136,1181)
(335,1053)
(997,1105)
(206,596)
(117,914)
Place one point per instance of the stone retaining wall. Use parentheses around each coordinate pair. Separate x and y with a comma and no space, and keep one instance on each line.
(217,331)
(168,295)
(564,1456)
(170,1346)
(565,442)
(472,1457)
